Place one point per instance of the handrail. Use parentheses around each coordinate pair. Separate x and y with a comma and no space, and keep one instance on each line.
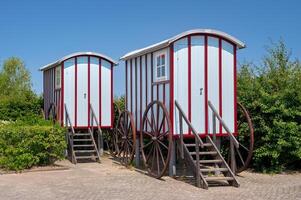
(215,114)
(198,142)
(70,137)
(94,118)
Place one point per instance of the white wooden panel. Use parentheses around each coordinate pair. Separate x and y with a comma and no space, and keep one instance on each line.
(134,89)
(94,85)
(149,82)
(143,80)
(213,78)
(128,85)
(82,91)
(197,83)
(228,85)
(105,93)
(138,94)
(69,88)
(181,79)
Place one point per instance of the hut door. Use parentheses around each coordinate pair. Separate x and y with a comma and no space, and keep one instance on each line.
(82,91)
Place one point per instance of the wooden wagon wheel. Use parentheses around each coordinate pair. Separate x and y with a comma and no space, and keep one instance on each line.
(112,137)
(244,152)
(156,139)
(125,138)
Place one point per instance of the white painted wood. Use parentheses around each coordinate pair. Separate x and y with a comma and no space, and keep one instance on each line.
(94,85)
(69,88)
(181,79)
(134,90)
(128,85)
(138,94)
(143,80)
(198,83)
(228,85)
(82,91)
(149,83)
(213,78)
(105,93)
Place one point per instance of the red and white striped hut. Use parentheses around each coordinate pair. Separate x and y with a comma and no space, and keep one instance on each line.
(182,92)
(78,81)
(191,68)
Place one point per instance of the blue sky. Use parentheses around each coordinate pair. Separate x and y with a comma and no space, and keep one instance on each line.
(40,31)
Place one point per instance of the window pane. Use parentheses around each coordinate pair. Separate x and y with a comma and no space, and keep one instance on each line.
(158,60)
(163,70)
(163,59)
(158,72)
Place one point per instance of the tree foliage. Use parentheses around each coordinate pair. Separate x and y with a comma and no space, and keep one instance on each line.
(272,94)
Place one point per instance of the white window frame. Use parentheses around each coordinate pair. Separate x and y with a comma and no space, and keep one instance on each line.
(165,77)
(58,75)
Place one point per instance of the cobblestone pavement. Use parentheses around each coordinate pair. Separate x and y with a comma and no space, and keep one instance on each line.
(111,181)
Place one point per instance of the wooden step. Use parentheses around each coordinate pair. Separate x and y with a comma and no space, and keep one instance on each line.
(82,140)
(84,151)
(219,178)
(83,145)
(82,134)
(210,161)
(213,169)
(85,157)
(204,153)
(193,145)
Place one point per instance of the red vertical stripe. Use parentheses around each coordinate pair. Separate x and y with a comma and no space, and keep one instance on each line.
(136,92)
(171,86)
(235,90)
(146,83)
(140,92)
(62,95)
(75,92)
(88,91)
(99,93)
(206,84)
(126,85)
(152,80)
(164,104)
(189,81)
(220,82)
(112,98)
(131,78)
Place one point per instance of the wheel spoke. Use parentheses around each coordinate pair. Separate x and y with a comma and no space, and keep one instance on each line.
(164,134)
(162,144)
(162,157)
(148,133)
(153,120)
(144,146)
(150,125)
(149,153)
(162,123)
(157,155)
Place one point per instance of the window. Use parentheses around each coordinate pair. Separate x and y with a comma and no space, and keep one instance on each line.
(58,77)
(160,67)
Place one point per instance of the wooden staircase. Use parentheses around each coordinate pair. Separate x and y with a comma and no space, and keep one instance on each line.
(211,167)
(81,145)
(84,147)
(205,159)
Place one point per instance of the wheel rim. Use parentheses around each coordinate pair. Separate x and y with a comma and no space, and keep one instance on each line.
(125,138)
(244,152)
(156,139)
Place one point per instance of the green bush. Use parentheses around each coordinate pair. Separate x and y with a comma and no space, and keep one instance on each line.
(23,146)
(272,94)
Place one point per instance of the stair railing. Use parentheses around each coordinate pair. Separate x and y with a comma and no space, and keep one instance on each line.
(93,119)
(69,136)
(198,143)
(233,140)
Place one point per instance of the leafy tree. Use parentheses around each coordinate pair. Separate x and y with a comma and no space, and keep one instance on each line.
(272,94)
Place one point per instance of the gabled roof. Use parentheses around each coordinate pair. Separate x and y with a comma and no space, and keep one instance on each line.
(53,64)
(166,43)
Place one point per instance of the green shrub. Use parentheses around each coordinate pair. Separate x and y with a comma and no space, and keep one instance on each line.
(23,146)
(272,94)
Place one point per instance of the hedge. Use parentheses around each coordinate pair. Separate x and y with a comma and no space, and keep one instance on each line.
(24,146)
